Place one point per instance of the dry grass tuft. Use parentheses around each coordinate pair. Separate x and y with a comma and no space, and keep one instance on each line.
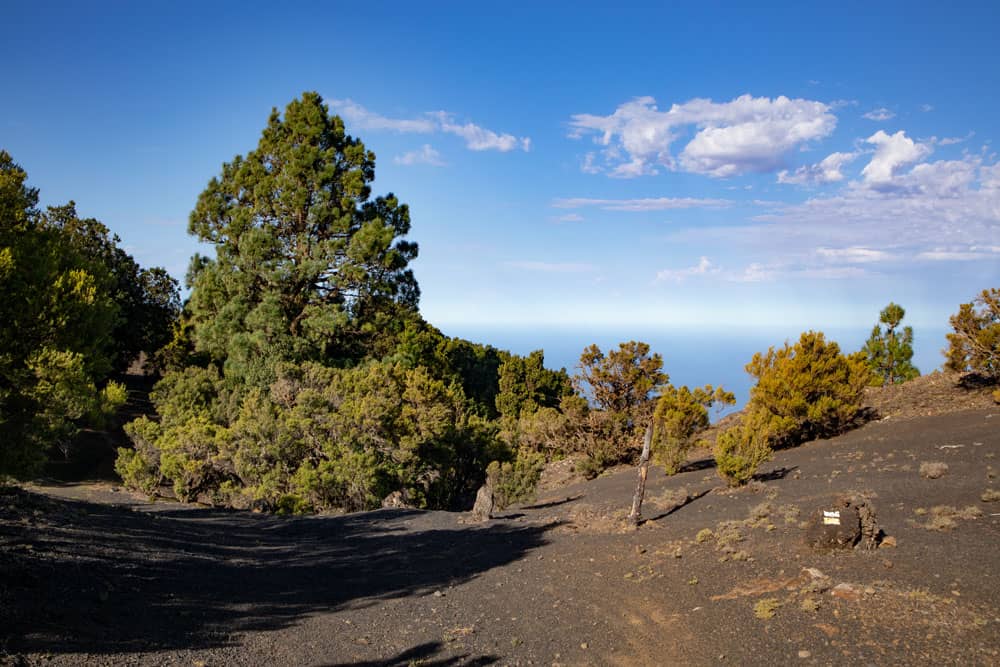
(933,469)
(765,608)
(990,496)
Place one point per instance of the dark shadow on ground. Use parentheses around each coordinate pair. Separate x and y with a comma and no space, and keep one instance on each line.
(553,503)
(81,577)
(700,464)
(777,473)
(673,509)
(423,654)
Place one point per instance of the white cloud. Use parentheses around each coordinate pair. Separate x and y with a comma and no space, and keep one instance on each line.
(880,114)
(946,204)
(971,253)
(550,267)
(476,138)
(853,255)
(702,268)
(746,134)
(480,139)
(426,155)
(569,217)
(951,141)
(926,108)
(826,171)
(758,272)
(358,117)
(648,204)
(891,152)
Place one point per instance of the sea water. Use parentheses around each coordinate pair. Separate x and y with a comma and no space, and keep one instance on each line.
(692,357)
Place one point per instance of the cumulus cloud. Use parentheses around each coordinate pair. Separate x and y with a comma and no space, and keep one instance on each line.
(647,204)
(881,114)
(825,171)
(746,134)
(945,206)
(476,138)
(892,151)
(702,268)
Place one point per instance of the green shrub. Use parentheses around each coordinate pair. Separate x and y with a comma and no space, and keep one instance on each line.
(804,391)
(974,346)
(680,414)
(619,385)
(334,438)
(807,390)
(136,472)
(516,481)
(740,449)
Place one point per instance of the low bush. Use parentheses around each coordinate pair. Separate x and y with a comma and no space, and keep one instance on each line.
(974,345)
(803,391)
(680,415)
(515,481)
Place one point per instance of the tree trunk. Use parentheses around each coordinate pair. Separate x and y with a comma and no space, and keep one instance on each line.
(640,487)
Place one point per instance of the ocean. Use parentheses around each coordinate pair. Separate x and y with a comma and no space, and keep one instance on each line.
(690,357)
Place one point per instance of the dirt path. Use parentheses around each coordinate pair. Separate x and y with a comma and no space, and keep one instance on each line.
(122,581)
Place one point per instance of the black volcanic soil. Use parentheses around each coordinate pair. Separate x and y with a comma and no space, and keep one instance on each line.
(91,575)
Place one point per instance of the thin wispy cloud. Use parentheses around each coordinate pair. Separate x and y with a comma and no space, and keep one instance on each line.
(647,204)
(476,137)
(550,267)
(879,115)
(704,267)
(853,255)
(425,155)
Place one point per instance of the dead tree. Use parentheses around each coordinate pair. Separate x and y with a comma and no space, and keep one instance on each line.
(640,486)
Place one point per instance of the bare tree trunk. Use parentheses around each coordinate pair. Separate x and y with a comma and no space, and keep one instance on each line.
(640,487)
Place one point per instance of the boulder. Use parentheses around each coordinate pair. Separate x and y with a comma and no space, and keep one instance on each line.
(397,500)
(482,510)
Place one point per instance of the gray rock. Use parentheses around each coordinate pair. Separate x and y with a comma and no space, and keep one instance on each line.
(482,510)
(396,500)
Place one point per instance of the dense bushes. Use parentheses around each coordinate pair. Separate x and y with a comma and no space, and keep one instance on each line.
(803,391)
(75,308)
(330,438)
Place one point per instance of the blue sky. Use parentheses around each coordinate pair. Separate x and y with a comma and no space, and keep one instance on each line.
(568,164)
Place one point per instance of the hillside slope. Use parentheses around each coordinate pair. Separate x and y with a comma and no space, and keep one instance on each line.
(560,581)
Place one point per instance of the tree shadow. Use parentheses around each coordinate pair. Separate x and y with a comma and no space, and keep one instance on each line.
(101,579)
(776,474)
(553,503)
(422,654)
(677,507)
(700,464)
